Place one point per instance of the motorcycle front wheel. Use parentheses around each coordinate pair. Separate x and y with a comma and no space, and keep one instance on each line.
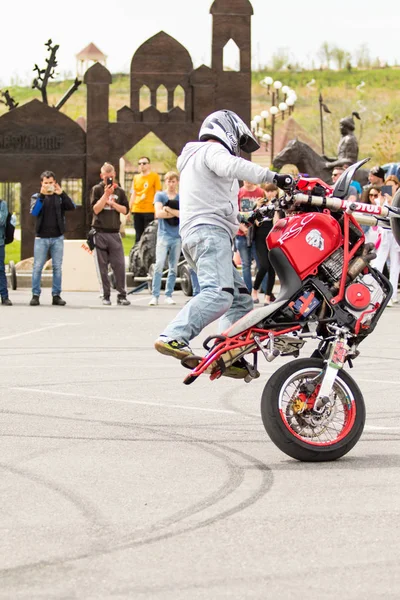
(288,418)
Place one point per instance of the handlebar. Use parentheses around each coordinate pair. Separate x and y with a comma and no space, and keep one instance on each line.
(365,214)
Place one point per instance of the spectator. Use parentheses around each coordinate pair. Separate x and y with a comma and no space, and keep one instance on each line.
(166,209)
(195,282)
(263,223)
(144,188)
(376,177)
(248,195)
(49,207)
(108,202)
(352,194)
(386,246)
(5,300)
(209,170)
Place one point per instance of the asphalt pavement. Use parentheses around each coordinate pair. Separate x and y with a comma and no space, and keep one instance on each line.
(118,481)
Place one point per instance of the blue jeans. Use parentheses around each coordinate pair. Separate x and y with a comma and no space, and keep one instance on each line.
(195,282)
(247,254)
(41,248)
(3,277)
(208,250)
(171,247)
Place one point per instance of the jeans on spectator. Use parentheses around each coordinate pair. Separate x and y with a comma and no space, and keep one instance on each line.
(41,249)
(208,250)
(195,282)
(3,277)
(247,254)
(171,247)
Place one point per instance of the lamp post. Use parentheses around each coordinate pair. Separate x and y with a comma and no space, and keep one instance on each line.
(274,89)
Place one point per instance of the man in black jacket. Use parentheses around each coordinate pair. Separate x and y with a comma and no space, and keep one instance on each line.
(108,201)
(49,206)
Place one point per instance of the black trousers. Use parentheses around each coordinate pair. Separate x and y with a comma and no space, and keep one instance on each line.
(140,222)
(109,250)
(265,265)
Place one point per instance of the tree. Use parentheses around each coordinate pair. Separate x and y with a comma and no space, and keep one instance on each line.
(362,57)
(280,59)
(340,56)
(325,54)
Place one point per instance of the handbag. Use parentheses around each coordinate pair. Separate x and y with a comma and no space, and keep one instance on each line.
(90,238)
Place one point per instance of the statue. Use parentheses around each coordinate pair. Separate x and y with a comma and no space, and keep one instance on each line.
(348,145)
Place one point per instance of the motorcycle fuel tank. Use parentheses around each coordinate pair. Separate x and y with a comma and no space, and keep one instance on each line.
(306,239)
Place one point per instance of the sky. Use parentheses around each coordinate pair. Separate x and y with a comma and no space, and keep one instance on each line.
(119,27)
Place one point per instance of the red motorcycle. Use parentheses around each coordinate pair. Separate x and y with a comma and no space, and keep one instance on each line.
(311,408)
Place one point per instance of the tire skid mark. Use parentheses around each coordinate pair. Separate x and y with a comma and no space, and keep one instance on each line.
(85,507)
(156,532)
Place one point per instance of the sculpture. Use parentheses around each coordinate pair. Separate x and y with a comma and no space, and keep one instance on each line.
(310,162)
(347,152)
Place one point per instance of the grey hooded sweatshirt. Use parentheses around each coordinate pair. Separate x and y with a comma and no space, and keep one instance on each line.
(208,187)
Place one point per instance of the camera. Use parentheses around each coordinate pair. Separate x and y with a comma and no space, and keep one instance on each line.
(50,188)
(110,180)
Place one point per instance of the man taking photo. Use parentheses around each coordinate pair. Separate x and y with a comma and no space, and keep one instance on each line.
(108,202)
(49,207)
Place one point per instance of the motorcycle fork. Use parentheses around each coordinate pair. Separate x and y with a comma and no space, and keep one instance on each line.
(338,351)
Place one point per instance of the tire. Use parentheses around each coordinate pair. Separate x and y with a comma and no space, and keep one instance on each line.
(13,274)
(135,264)
(280,420)
(186,281)
(147,245)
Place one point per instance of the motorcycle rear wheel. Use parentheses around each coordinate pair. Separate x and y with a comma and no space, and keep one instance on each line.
(299,432)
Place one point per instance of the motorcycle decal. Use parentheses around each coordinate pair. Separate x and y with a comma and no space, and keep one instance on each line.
(295,230)
(315,239)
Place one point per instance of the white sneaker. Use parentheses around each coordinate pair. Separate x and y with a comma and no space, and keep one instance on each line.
(169,300)
(395,300)
(153,301)
(390,303)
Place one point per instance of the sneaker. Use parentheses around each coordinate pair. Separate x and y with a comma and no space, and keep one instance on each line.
(6,302)
(106,302)
(395,300)
(58,301)
(390,303)
(123,301)
(169,300)
(153,301)
(34,301)
(173,348)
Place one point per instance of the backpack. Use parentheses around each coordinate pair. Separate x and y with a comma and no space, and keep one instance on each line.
(9,230)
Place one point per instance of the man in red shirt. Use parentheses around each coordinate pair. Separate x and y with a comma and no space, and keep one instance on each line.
(248,195)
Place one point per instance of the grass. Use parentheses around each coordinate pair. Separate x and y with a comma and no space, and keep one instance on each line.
(378,99)
(127,243)
(13,251)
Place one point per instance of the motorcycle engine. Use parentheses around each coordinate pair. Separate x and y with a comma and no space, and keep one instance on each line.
(363,295)
(332,267)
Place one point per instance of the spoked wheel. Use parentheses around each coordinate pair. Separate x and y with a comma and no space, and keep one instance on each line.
(300,432)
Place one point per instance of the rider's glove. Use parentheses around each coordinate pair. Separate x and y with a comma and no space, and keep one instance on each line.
(283,181)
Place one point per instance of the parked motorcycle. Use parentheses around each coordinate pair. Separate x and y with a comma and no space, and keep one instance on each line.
(311,408)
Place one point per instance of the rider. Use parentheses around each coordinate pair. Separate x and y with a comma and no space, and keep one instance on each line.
(209,171)
(348,145)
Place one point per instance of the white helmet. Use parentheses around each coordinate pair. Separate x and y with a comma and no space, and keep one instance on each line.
(229,129)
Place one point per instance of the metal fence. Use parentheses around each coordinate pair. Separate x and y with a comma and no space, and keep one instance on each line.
(74,189)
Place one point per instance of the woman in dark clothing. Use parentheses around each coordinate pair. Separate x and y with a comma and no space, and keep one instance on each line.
(262,227)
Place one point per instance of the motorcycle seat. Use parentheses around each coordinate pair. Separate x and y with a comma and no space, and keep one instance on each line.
(253,317)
